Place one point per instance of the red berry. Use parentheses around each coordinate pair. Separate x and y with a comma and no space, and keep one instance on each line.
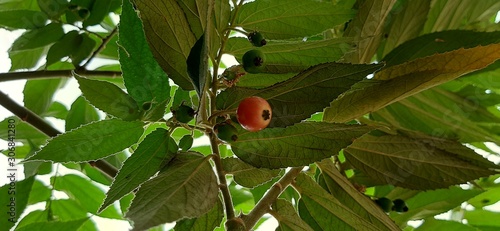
(254,113)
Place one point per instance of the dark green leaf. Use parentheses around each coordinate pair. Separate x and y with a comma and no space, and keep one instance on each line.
(24,131)
(64,47)
(439,42)
(298,98)
(144,78)
(54,225)
(22,19)
(155,151)
(431,203)
(293,56)
(170,44)
(291,19)
(98,10)
(87,194)
(287,217)
(186,188)
(208,222)
(80,113)
(186,142)
(297,145)
(197,65)
(53,8)
(38,37)
(91,142)
(56,110)
(39,193)
(38,93)
(413,163)
(398,82)
(196,12)
(181,96)
(340,187)
(109,98)
(327,212)
(83,49)
(15,198)
(246,175)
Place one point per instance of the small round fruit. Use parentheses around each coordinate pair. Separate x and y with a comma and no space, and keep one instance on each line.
(254,61)
(257,39)
(254,113)
(184,113)
(226,132)
(384,203)
(399,206)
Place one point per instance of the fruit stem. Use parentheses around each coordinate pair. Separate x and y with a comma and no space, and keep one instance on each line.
(264,205)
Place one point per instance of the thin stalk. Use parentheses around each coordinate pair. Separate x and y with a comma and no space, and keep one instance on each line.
(221,174)
(101,47)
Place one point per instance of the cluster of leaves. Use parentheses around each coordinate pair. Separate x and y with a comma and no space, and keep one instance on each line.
(399,134)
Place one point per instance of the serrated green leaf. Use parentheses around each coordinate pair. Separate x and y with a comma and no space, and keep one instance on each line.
(431,203)
(287,217)
(15,198)
(181,96)
(406,24)
(433,224)
(366,28)
(109,98)
(167,33)
(245,174)
(87,194)
(340,187)
(398,82)
(208,222)
(482,218)
(489,197)
(299,97)
(293,56)
(39,37)
(156,150)
(222,15)
(91,142)
(22,19)
(197,65)
(80,113)
(327,212)
(186,188)
(144,78)
(53,8)
(297,145)
(64,47)
(439,42)
(283,19)
(196,12)
(38,93)
(54,225)
(412,163)
(440,112)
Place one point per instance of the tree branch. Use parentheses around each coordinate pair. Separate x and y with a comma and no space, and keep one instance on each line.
(37,122)
(264,205)
(101,47)
(56,74)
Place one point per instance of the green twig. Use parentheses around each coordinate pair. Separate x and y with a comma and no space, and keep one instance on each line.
(105,41)
(56,74)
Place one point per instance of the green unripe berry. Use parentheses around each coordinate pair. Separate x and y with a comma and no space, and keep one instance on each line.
(257,39)
(184,113)
(254,61)
(226,132)
(399,206)
(384,203)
